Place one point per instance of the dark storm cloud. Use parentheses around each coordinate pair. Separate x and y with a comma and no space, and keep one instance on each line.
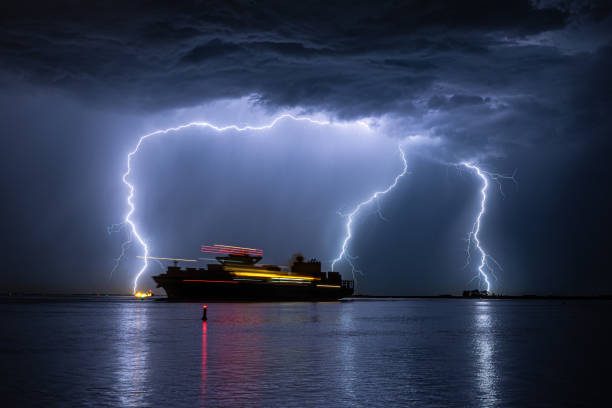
(348,58)
(455,101)
(149,48)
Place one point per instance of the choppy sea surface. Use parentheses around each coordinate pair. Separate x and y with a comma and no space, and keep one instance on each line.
(120,352)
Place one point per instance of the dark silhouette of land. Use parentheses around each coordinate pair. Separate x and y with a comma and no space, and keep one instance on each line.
(493,296)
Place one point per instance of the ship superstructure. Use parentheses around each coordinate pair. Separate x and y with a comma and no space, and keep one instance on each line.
(239,276)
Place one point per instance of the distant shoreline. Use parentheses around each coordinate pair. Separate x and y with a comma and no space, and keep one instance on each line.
(523,297)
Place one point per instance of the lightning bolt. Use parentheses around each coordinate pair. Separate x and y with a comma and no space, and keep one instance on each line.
(111,230)
(344,254)
(473,236)
(134,234)
(124,247)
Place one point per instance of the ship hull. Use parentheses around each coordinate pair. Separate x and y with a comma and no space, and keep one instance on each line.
(181,290)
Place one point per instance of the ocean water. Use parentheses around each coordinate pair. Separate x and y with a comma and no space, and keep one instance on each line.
(112,351)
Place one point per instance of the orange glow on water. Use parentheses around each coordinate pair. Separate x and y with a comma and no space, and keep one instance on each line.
(142,295)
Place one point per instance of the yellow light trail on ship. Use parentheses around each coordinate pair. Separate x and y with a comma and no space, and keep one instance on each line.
(249,272)
(273,275)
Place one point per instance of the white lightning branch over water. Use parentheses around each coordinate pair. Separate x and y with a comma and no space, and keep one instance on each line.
(473,236)
(133,230)
(344,254)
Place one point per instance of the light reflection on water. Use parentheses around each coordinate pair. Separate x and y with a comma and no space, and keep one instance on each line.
(428,353)
(133,354)
(346,352)
(236,360)
(484,353)
(203,368)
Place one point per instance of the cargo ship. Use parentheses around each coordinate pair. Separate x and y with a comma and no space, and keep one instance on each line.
(239,277)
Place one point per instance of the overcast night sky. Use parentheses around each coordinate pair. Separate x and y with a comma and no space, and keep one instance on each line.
(515,85)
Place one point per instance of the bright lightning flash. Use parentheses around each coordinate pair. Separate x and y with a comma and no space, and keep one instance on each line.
(344,254)
(484,266)
(130,199)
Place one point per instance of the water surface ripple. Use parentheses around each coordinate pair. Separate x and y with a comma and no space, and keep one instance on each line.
(115,351)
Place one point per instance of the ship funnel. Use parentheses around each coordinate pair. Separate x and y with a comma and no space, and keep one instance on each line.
(295,258)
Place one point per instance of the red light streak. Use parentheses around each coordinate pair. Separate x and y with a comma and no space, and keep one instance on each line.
(203,364)
(221,250)
(237,247)
(233,248)
(231,252)
(229,249)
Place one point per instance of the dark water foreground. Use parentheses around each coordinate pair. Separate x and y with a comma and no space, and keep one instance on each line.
(432,353)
